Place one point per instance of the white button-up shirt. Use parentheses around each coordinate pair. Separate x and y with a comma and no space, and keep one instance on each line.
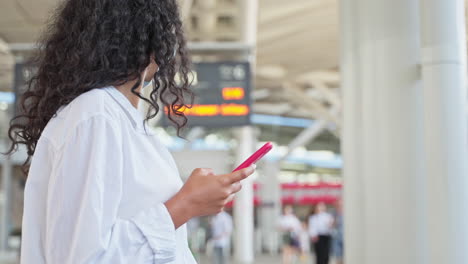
(96,188)
(320,224)
(290,223)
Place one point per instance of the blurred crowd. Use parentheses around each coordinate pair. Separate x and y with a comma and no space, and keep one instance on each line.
(320,235)
(315,238)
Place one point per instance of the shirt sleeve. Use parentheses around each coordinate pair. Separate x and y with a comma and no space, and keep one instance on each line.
(83,200)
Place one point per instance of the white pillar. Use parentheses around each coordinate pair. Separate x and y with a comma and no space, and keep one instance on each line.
(353,195)
(5,203)
(243,205)
(7,67)
(443,38)
(249,26)
(383,146)
(270,212)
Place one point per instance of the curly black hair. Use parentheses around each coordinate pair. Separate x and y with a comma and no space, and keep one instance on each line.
(90,44)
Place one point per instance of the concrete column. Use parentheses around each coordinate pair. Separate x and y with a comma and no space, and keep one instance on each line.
(243,205)
(7,66)
(443,38)
(270,212)
(5,202)
(383,146)
(249,18)
(351,137)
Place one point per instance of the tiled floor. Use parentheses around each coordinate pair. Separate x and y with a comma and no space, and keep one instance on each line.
(264,259)
(8,258)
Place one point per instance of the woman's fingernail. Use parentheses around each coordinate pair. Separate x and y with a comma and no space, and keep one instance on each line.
(254,166)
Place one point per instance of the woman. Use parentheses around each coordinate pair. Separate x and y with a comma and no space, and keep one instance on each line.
(290,226)
(320,229)
(101,187)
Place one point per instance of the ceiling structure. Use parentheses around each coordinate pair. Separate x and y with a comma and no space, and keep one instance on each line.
(297,47)
(296,53)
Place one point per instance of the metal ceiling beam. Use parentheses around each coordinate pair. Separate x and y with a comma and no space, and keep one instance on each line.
(306,136)
(272,108)
(324,76)
(296,94)
(219,46)
(259,94)
(330,95)
(292,11)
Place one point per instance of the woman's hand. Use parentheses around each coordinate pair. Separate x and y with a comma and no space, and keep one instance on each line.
(205,193)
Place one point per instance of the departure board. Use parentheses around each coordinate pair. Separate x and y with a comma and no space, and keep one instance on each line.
(222,95)
(222,90)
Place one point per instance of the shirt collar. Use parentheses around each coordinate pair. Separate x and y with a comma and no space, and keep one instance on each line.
(133,114)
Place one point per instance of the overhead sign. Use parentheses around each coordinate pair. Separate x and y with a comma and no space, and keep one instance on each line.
(222,95)
(222,92)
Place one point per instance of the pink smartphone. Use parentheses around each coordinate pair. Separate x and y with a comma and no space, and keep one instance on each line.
(256,156)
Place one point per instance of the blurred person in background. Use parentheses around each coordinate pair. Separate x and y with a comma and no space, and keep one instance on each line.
(290,228)
(320,230)
(101,187)
(221,231)
(338,242)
